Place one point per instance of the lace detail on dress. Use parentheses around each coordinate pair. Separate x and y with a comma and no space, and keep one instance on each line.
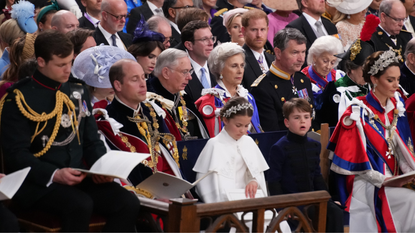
(348,32)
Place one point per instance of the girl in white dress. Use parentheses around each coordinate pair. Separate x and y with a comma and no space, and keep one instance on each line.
(234,156)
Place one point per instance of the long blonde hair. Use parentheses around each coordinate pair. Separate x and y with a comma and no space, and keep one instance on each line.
(339,17)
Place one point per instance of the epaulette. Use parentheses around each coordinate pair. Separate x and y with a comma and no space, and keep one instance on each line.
(76,80)
(403,30)
(258,80)
(249,8)
(18,84)
(220,12)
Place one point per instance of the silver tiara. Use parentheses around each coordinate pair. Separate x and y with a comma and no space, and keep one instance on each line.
(237,108)
(385,59)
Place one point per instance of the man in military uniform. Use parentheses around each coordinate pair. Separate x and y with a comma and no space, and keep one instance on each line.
(143,129)
(283,81)
(389,33)
(46,125)
(174,71)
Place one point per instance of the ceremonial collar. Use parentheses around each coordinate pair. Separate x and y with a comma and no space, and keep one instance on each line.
(349,82)
(278,72)
(374,102)
(46,82)
(159,89)
(296,138)
(125,109)
(240,90)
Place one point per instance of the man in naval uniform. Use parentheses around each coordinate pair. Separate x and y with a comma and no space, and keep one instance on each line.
(46,124)
(283,81)
(174,71)
(389,33)
(143,129)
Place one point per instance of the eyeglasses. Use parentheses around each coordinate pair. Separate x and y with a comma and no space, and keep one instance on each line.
(118,17)
(207,39)
(183,72)
(168,39)
(396,19)
(181,7)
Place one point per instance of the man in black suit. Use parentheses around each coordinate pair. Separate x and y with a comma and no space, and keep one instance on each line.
(283,81)
(161,25)
(389,33)
(52,152)
(148,9)
(109,30)
(409,24)
(92,16)
(198,41)
(171,10)
(255,31)
(310,23)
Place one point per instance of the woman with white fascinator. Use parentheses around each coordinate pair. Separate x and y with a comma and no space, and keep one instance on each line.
(349,19)
(226,62)
(92,66)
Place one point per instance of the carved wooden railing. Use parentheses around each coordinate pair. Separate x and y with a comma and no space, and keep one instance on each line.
(184,215)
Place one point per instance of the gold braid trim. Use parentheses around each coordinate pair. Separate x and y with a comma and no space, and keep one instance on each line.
(61,98)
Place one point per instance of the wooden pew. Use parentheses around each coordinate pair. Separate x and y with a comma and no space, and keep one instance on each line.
(184,215)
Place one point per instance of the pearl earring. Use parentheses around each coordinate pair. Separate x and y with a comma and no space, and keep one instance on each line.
(348,16)
(374,87)
(220,77)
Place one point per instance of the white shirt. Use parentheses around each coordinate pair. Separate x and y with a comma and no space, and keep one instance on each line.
(312,23)
(264,60)
(108,35)
(409,26)
(197,70)
(93,20)
(174,25)
(153,9)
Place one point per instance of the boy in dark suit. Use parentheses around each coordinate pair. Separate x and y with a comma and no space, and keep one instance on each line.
(294,161)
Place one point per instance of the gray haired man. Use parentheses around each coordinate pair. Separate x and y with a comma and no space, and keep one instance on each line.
(174,71)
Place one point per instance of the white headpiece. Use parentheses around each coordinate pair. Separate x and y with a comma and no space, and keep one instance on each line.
(237,108)
(385,59)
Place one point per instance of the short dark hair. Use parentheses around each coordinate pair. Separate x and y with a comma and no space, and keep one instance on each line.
(78,38)
(283,36)
(233,102)
(188,32)
(370,61)
(52,42)
(300,5)
(188,15)
(144,48)
(116,72)
(301,105)
(167,5)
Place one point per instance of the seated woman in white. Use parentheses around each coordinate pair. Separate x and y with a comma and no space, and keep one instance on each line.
(236,159)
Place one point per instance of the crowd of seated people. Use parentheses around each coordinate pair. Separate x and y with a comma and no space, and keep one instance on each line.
(79,78)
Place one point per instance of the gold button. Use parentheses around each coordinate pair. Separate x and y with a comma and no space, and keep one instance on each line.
(282,99)
(311,105)
(276,86)
(380,33)
(302,81)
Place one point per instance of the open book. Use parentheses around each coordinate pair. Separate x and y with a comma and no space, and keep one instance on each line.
(117,164)
(166,186)
(11,183)
(400,178)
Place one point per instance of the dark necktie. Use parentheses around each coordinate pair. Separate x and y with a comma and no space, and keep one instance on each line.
(114,40)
